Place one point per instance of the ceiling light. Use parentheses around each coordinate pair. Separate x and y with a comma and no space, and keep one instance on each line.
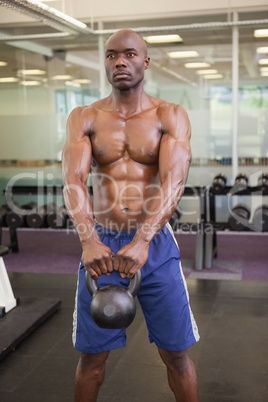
(72,84)
(262,50)
(263,61)
(3,63)
(82,81)
(264,73)
(186,53)
(9,79)
(62,77)
(196,65)
(201,72)
(32,72)
(263,68)
(213,76)
(162,38)
(30,83)
(261,33)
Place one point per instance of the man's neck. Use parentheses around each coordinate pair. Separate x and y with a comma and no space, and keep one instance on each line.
(129,102)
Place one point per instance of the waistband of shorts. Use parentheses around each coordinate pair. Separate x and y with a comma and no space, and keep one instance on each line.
(127,234)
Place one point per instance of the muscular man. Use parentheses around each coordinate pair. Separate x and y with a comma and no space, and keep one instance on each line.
(137,149)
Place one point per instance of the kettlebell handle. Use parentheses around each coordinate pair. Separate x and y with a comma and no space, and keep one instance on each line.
(133,287)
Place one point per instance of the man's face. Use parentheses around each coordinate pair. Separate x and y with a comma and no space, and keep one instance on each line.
(125,60)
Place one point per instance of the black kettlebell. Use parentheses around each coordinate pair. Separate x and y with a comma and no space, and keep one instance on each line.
(112,306)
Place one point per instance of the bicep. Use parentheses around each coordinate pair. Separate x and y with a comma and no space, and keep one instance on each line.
(76,159)
(77,153)
(175,149)
(174,158)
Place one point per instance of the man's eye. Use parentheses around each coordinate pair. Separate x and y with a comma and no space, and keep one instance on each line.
(110,56)
(131,54)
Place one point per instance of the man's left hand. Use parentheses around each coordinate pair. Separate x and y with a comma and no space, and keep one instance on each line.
(131,258)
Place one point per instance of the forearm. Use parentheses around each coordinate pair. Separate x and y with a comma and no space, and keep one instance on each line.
(80,209)
(161,209)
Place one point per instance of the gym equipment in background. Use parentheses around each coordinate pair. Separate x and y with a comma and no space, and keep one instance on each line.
(57,219)
(219,183)
(19,318)
(239,218)
(17,218)
(7,299)
(38,219)
(241,182)
(260,219)
(175,220)
(4,209)
(263,183)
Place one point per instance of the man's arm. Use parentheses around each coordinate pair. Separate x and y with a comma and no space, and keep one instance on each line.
(76,161)
(174,163)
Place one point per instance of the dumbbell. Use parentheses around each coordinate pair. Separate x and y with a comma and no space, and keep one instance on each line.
(263,183)
(238,220)
(4,209)
(38,219)
(260,219)
(57,219)
(16,220)
(219,183)
(174,220)
(241,182)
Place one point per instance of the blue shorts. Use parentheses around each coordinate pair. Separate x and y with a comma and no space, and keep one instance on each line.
(163,297)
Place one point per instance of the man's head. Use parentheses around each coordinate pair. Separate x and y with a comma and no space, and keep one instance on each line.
(125,59)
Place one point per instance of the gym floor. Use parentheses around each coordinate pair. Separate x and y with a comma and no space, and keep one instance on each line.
(230,358)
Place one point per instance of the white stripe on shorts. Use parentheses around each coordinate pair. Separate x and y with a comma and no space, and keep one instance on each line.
(75,312)
(194,326)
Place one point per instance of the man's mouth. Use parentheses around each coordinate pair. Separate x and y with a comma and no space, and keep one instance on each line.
(122,74)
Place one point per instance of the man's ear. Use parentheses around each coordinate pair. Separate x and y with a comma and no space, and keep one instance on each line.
(146,62)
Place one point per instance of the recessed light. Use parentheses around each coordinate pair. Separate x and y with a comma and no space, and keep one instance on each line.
(183,54)
(262,50)
(261,33)
(263,61)
(82,81)
(213,76)
(62,77)
(9,79)
(263,68)
(163,38)
(264,73)
(201,72)
(30,83)
(32,72)
(72,84)
(3,63)
(196,65)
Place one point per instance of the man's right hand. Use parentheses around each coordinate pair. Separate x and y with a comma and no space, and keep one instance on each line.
(97,259)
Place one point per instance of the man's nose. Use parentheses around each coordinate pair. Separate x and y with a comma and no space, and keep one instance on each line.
(120,61)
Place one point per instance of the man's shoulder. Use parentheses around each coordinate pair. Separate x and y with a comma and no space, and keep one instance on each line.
(87,112)
(169,107)
(167,110)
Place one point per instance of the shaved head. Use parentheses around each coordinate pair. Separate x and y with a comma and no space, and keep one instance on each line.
(128,33)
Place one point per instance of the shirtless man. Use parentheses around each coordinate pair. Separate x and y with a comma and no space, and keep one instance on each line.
(137,149)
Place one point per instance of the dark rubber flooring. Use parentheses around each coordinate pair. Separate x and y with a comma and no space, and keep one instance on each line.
(231,357)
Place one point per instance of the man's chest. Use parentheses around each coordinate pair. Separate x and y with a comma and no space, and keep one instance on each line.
(137,138)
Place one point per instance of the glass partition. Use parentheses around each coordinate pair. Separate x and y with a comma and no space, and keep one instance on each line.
(46,84)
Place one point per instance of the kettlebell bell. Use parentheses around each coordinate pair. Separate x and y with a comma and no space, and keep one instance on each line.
(113,306)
